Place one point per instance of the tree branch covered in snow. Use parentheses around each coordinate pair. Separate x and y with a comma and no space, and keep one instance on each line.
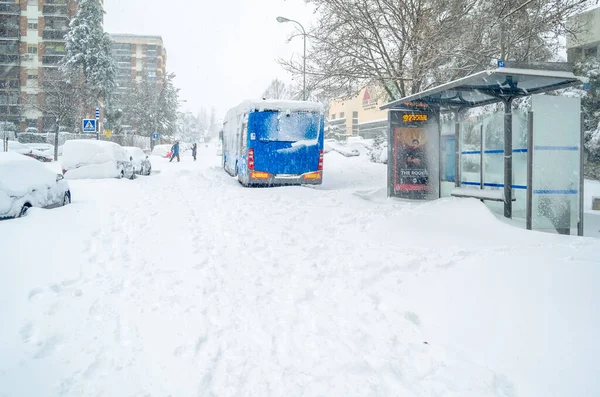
(88,49)
(412,45)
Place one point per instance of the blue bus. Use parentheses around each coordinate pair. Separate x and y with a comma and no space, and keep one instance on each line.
(273,143)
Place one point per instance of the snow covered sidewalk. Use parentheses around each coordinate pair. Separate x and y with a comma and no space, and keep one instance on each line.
(186,284)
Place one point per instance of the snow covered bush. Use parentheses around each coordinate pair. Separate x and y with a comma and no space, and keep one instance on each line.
(377,152)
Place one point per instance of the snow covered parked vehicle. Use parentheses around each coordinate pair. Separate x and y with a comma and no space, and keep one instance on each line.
(139,159)
(161,150)
(25,183)
(17,147)
(92,159)
(42,147)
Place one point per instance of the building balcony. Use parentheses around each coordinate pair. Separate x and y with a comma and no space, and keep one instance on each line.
(57,10)
(10,8)
(9,59)
(51,60)
(54,53)
(54,35)
(9,33)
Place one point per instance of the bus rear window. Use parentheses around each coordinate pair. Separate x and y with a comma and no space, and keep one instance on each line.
(282,127)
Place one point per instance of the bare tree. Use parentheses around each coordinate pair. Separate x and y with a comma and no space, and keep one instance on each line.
(60,100)
(277,89)
(407,46)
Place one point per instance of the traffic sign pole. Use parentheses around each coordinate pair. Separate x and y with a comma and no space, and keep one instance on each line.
(97,123)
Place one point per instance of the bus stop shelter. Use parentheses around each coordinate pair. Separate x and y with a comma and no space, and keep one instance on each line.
(552,137)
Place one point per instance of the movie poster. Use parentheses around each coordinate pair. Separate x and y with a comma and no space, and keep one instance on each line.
(411,171)
(411,161)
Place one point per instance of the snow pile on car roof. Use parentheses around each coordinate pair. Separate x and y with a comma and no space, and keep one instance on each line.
(19,174)
(77,153)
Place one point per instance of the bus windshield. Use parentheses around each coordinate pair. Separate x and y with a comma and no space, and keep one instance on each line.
(286,127)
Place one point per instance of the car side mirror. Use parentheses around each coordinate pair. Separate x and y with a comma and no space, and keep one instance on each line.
(59,177)
(130,158)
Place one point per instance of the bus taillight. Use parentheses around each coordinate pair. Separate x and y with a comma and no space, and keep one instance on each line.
(250,159)
(320,161)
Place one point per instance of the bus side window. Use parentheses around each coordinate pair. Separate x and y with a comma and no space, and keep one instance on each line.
(245,136)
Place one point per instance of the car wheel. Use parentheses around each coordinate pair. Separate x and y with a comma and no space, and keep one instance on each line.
(66,199)
(122,174)
(24,210)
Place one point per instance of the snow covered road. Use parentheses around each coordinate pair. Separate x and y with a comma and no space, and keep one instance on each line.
(186,284)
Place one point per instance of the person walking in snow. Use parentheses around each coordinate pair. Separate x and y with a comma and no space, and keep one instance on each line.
(194,151)
(175,151)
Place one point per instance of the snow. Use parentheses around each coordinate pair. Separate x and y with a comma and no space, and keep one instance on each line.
(278,105)
(161,150)
(487,194)
(25,180)
(82,152)
(195,286)
(92,159)
(19,174)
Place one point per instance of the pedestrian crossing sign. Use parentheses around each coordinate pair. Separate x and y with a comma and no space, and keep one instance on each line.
(89,125)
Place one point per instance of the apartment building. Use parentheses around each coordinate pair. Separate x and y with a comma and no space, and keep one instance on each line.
(360,115)
(136,55)
(31,41)
(586,43)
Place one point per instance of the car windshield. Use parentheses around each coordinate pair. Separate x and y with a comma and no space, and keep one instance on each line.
(304,198)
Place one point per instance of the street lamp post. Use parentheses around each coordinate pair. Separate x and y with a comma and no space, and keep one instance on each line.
(283,20)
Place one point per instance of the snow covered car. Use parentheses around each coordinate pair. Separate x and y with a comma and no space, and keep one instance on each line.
(17,147)
(139,159)
(41,147)
(161,150)
(25,183)
(92,159)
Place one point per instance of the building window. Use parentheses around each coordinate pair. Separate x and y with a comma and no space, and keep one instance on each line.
(32,24)
(342,115)
(32,49)
(590,52)
(333,116)
(32,76)
(355,123)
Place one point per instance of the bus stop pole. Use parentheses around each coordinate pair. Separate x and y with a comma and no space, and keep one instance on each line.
(580,226)
(457,178)
(508,158)
(529,212)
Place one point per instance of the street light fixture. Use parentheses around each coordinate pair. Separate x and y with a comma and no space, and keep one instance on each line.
(284,20)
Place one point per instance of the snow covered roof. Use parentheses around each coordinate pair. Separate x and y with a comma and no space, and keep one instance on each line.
(490,86)
(276,105)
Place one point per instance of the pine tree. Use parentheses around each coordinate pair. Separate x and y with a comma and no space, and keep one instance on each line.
(168,105)
(88,49)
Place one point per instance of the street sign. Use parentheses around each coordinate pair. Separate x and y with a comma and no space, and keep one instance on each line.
(501,64)
(155,136)
(88,125)
(108,133)
(97,113)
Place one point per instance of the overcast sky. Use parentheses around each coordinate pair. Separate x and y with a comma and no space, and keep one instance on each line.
(222,51)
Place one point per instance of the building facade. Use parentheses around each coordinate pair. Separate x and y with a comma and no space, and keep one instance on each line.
(586,43)
(136,55)
(31,41)
(360,115)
